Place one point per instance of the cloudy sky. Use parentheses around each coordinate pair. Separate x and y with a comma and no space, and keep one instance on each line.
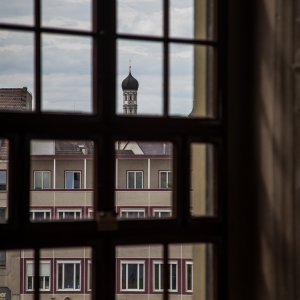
(66,61)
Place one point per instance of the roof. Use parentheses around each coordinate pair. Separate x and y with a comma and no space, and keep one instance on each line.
(130,83)
(73,147)
(145,148)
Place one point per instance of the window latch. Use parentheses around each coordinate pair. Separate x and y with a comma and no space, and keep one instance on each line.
(106,221)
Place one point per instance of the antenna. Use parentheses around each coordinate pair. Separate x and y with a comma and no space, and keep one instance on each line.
(129,66)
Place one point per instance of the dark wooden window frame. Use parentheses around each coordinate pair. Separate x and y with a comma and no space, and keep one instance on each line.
(104,127)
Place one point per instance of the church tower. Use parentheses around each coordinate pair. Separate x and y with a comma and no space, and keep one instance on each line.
(130,86)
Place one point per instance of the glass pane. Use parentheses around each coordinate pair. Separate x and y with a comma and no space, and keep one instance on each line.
(202,180)
(38,180)
(139,17)
(139,82)
(66,74)
(195,276)
(16,12)
(68,166)
(192,81)
(46,180)
(138,271)
(16,71)
(138,192)
(68,271)
(192,19)
(68,14)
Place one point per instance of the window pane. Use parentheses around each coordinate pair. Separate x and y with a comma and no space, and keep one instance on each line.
(157,277)
(76,180)
(60,276)
(139,17)
(69,166)
(138,169)
(192,81)
(69,274)
(38,180)
(66,14)
(66,76)
(69,180)
(131,180)
(135,271)
(139,82)
(132,276)
(192,19)
(202,180)
(46,180)
(196,275)
(2,259)
(16,12)
(16,71)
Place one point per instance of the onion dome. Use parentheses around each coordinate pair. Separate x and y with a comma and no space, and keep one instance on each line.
(130,83)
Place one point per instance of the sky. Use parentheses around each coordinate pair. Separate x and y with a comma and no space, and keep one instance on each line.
(66,61)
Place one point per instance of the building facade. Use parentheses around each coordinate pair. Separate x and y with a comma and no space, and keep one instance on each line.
(62,185)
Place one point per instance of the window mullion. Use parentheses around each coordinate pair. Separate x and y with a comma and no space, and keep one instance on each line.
(37,47)
(166,58)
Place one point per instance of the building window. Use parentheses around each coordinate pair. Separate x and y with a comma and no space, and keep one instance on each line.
(2,215)
(68,275)
(40,215)
(134,179)
(68,214)
(132,213)
(89,279)
(45,270)
(162,213)
(189,276)
(132,275)
(165,179)
(72,180)
(3,180)
(42,180)
(90,213)
(158,276)
(2,259)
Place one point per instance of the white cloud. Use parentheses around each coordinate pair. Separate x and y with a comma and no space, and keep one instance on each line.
(140,17)
(66,63)
(71,14)
(16,11)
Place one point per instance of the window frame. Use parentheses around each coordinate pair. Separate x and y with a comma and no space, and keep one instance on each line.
(89,276)
(160,263)
(35,172)
(135,172)
(167,179)
(39,210)
(103,126)
(134,210)
(73,180)
(42,288)
(6,181)
(3,260)
(162,210)
(63,262)
(68,210)
(126,262)
(191,264)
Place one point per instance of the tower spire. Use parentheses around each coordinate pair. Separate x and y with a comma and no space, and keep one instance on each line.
(130,87)
(129,66)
